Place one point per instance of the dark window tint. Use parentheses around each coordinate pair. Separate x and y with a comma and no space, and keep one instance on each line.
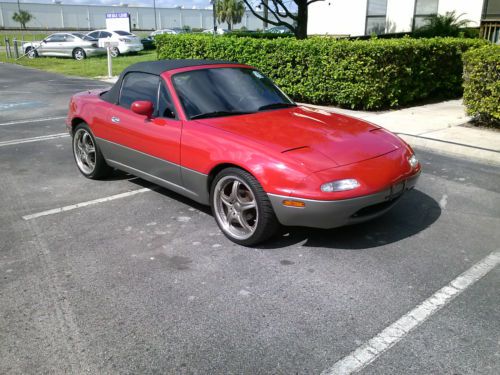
(138,86)
(228,90)
(105,34)
(69,38)
(55,38)
(119,32)
(95,34)
(165,104)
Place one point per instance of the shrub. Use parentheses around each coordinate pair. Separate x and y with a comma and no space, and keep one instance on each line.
(482,83)
(369,74)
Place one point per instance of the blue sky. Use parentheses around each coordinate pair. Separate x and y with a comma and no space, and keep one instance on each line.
(159,3)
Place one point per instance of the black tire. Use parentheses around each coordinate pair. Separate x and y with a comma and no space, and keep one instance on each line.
(79,54)
(115,52)
(100,168)
(265,226)
(33,53)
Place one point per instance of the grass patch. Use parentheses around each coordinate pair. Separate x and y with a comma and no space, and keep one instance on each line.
(90,67)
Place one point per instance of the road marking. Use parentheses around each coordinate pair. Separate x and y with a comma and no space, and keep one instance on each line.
(32,120)
(390,336)
(34,139)
(84,204)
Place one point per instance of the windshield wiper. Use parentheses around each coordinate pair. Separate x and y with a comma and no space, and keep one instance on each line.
(218,114)
(276,106)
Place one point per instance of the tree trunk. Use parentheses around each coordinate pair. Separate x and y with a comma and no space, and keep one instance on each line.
(229,26)
(301,28)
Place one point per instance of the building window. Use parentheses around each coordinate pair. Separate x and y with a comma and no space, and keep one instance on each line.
(376,17)
(423,10)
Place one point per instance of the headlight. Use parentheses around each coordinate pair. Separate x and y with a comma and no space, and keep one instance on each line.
(413,161)
(340,185)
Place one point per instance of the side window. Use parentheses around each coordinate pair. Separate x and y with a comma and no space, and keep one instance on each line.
(95,34)
(105,34)
(69,38)
(138,86)
(55,38)
(166,107)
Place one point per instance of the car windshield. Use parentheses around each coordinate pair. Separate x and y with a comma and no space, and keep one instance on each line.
(119,32)
(227,91)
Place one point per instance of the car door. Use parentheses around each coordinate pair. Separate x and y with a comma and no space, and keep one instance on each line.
(51,45)
(69,44)
(138,144)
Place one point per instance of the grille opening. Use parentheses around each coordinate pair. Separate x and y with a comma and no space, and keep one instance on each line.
(375,208)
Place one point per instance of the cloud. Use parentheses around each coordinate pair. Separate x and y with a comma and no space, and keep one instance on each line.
(141,3)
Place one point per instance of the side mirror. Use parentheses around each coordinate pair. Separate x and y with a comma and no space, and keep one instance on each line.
(143,107)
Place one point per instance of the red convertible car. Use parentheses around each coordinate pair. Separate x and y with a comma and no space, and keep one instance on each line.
(224,135)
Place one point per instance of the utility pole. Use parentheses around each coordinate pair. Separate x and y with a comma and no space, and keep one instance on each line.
(154,10)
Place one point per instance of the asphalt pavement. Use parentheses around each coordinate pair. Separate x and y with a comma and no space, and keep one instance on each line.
(145,282)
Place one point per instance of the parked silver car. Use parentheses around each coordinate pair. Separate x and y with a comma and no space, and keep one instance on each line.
(75,45)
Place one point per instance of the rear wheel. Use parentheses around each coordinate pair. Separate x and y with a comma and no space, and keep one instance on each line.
(115,52)
(87,155)
(79,54)
(242,208)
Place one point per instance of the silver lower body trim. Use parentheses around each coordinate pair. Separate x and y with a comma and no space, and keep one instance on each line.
(332,214)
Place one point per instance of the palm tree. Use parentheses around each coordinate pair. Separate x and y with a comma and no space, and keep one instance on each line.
(23,17)
(448,24)
(230,11)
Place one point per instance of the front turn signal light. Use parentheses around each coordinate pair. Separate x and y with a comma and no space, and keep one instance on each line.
(290,203)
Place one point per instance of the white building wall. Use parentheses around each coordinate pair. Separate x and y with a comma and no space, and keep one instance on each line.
(348,17)
(471,8)
(60,16)
(337,17)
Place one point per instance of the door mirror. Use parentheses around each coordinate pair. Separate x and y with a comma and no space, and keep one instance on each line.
(143,107)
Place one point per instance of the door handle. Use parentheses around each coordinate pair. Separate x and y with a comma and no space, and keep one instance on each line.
(115,120)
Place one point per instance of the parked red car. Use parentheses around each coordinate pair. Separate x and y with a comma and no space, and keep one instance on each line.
(224,135)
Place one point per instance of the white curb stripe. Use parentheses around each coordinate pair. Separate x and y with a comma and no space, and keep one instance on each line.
(390,336)
(34,139)
(84,204)
(32,120)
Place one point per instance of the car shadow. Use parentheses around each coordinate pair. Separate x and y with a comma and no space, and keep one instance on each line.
(414,212)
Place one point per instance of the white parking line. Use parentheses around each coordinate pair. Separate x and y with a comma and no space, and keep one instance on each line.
(84,204)
(34,139)
(390,336)
(32,120)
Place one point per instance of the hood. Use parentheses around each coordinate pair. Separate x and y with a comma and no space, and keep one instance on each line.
(309,134)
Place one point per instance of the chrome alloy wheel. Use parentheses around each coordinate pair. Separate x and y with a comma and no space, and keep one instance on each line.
(235,207)
(79,54)
(84,150)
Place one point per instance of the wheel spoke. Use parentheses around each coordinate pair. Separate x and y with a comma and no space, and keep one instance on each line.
(225,199)
(243,222)
(234,191)
(247,205)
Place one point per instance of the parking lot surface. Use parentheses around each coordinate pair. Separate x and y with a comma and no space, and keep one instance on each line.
(140,280)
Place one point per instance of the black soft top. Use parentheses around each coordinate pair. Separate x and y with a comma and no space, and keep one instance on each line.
(156,68)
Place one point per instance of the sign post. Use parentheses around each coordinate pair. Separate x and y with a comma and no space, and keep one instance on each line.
(108,44)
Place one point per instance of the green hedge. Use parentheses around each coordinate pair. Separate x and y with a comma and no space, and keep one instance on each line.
(370,74)
(482,83)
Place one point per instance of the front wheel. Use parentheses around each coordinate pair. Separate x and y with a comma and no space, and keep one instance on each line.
(31,53)
(87,155)
(79,54)
(242,208)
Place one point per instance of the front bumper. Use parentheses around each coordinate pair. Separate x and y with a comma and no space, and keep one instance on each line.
(332,214)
